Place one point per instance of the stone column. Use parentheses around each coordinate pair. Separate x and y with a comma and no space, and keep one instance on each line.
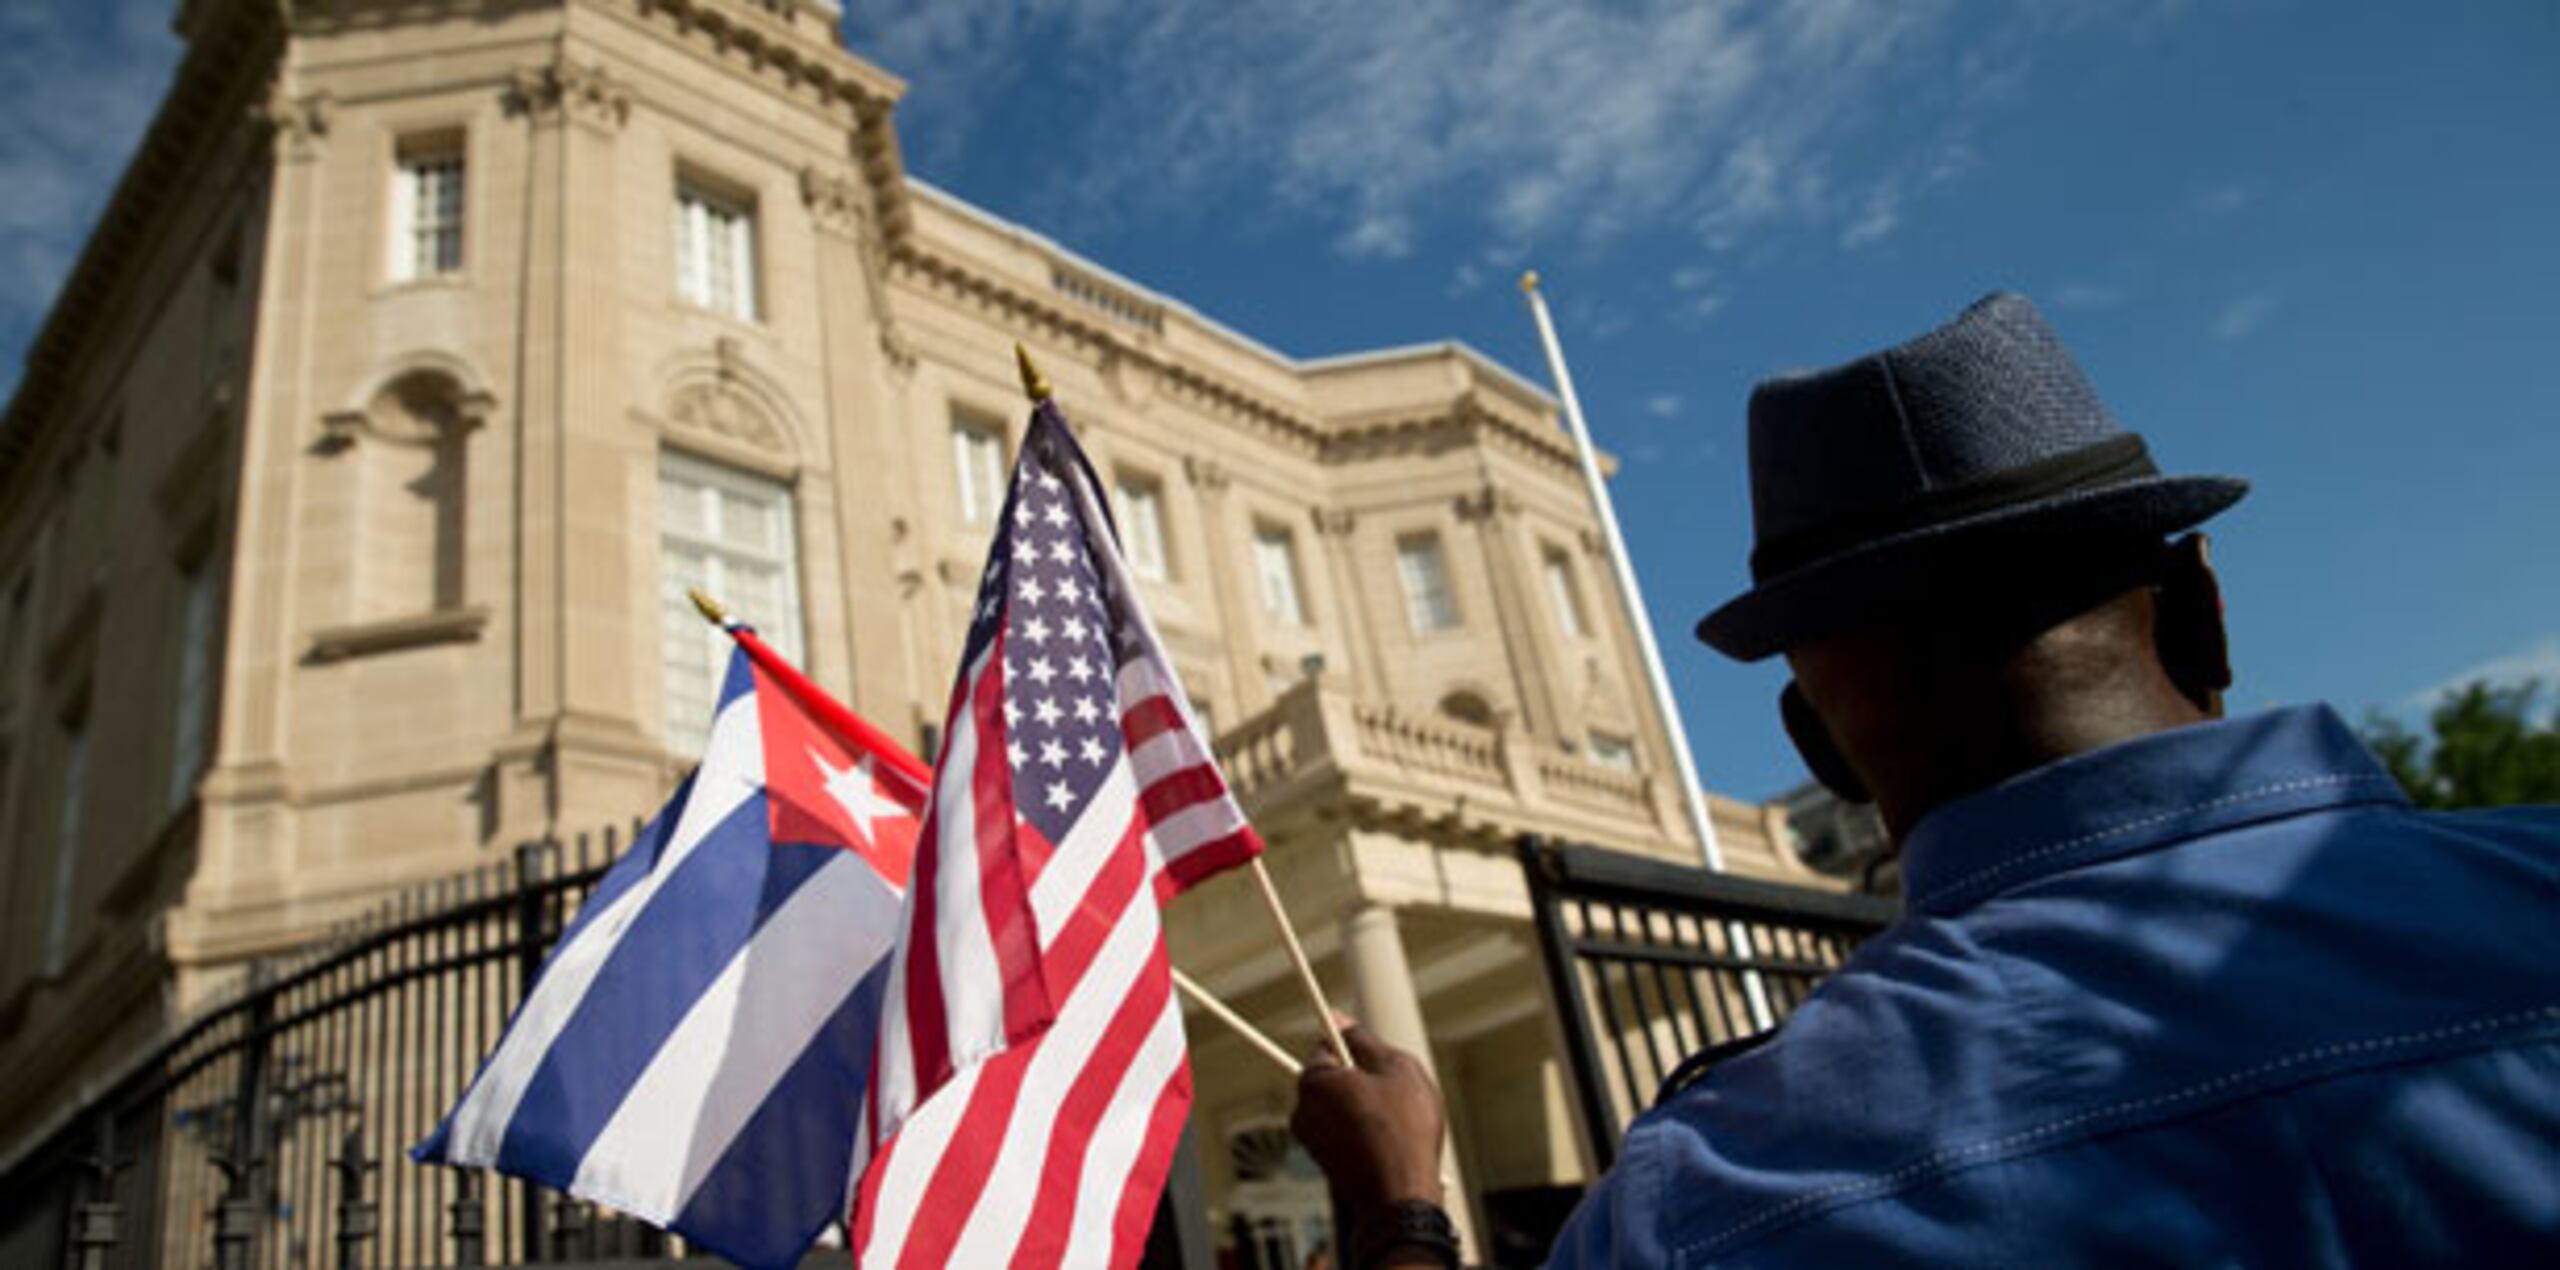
(1239,612)
(865,421)
(1360,630)
(1382,981)
(576,626)
(1495,513)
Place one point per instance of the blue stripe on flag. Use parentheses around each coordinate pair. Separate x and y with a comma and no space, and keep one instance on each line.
(783,1178)
(693,926)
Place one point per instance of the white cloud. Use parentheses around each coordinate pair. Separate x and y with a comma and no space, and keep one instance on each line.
(2540,661)
(1664,405)
(2245,316)
(78,84)
(1511,119)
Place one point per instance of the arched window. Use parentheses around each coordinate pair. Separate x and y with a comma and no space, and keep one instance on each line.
(1468,707)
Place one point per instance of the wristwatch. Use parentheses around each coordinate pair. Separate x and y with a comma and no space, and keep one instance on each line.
(1414,1226)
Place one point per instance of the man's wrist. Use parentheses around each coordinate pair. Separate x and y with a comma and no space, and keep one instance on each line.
(1404,1233)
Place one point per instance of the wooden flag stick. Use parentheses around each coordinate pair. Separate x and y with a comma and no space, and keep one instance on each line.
(1298,957)
(1237,1023)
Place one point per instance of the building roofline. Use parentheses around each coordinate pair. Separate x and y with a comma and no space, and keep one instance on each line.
(1352,360)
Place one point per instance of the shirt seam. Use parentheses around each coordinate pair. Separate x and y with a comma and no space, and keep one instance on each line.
(2139,823)
(1945,1159)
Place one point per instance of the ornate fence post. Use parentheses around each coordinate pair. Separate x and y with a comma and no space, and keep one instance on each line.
(533,941)
(237,1216)
(468,1220)
(356,1215)
(97,1226)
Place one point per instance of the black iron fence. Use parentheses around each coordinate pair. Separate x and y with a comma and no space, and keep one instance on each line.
(1651,962)
(270,1132)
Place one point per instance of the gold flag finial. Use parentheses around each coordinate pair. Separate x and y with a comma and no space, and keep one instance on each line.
(1033,382)
(711,610)
(1529,280)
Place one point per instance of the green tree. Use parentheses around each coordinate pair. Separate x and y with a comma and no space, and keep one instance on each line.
(2486,749)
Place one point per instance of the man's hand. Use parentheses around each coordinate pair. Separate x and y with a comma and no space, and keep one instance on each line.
(1374,1128)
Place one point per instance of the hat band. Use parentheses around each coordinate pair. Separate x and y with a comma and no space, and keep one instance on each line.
(2110,462)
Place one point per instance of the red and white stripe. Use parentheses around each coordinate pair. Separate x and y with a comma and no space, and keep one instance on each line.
(1032,1082)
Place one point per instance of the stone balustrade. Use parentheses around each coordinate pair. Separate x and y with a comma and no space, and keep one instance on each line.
(1316,732)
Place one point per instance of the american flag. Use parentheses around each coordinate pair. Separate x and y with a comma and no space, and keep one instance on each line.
(1031,1080)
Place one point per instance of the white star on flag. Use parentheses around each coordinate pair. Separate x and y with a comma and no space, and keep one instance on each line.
(857,790)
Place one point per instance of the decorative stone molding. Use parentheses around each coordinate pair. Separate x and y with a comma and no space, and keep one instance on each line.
(718,408)
(449,626)
(566,90)
(470,411)
(1335,522)
(1493,502)
(1593,544)
(835,201)
(1209,474)
(297,124)
(897,346)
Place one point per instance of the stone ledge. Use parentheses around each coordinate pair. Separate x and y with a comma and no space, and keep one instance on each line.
(360,639)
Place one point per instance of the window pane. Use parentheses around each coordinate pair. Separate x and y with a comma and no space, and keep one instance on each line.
(66,846)
(1274,558)
(1428,604)
(729,533)
(426,213)
(193,693)
(1142,529)
(977,457)
(1564,595)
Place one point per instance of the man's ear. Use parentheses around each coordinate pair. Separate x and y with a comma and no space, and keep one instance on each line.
(1821,754)
(2192,643)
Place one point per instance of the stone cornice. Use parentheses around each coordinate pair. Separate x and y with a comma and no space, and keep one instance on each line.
(1058,321)
(566,89)
(750,37)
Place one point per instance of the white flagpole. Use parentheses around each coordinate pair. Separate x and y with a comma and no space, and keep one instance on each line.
(1631,599)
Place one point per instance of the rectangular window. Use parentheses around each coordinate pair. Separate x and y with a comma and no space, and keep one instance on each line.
(1565,595)
(192,696)
(1612,751)
(731,534)
(716,252)
(977,459)
(1427,602)
(1275,561)
(66,845)
(1142,528)
(426,209)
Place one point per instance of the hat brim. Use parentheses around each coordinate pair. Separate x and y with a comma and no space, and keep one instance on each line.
(1849,588)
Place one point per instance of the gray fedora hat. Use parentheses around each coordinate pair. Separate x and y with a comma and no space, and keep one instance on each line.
(1978,441)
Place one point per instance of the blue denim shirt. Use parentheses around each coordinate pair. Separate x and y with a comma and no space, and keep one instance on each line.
(2213,997)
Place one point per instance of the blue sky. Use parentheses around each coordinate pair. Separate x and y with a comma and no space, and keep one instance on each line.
(2307,243)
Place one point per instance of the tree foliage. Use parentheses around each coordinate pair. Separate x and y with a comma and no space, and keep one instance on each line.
(2486,749)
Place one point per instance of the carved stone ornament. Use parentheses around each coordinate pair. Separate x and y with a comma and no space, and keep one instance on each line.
(1335,521)
(835,201)
(566,90)
(898,347)
(721,410)
(297,123)
(1207,473)
(1490,503)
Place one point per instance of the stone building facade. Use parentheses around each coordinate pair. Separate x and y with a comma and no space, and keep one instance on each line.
(429,350)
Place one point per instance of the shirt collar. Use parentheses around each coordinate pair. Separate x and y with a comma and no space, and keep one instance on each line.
(2137,796)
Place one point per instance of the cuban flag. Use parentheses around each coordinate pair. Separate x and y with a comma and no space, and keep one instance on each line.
(697,1050)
